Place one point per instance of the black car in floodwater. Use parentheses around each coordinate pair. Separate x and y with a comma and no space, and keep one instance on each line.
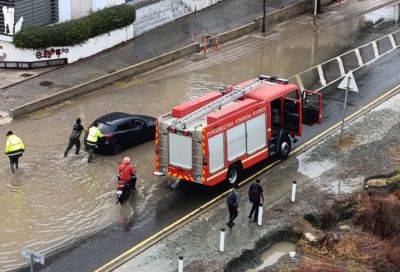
(124,130)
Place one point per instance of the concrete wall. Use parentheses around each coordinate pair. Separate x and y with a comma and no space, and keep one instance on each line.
(93,46)
(196,5)
(148,18)
(64,10)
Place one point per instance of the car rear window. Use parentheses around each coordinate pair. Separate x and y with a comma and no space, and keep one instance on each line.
(104,128)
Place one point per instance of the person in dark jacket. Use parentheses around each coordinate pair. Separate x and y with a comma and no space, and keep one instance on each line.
(233,205)
(74,138)
(256,197)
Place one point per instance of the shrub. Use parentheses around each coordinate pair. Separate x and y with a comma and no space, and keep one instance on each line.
(380,214)
(77,31)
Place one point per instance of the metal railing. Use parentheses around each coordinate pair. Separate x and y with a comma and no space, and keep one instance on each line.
(377,49)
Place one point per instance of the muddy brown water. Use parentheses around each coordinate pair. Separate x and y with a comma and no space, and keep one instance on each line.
(272,255)
(52,202)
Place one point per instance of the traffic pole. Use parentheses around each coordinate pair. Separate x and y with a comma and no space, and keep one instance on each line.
(344,108)
(222,240)
(315,12)
(192,38)
(216,43)
(260,215)
(294,185)
(180,264)
(31,263)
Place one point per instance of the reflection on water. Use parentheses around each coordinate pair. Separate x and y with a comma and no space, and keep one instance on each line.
(272,255)
(52,201)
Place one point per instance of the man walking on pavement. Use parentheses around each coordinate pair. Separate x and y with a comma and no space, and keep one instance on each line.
(233,205)
(74,139)
(14,149)
(92,139)
(256,197)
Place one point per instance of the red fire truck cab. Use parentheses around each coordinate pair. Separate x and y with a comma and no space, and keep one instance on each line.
(214,138)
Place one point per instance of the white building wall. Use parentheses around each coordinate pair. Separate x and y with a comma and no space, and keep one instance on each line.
(80,8)
(64,7)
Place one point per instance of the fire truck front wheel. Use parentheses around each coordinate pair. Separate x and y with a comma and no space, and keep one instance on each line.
(234,173)
(285,146)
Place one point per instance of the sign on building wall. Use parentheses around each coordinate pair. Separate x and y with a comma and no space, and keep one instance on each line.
(17,14)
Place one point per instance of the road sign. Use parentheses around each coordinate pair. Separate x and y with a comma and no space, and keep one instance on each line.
(349,83)
(33,256)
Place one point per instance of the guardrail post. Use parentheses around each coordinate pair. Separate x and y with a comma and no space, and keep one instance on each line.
(294,185)
(260,215)
(180,264)
(222,240)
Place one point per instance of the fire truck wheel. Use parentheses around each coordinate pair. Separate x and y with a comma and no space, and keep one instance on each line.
(233,174)
(285,146)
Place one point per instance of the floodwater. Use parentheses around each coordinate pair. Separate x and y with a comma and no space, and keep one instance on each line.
(272,255)
(53,202)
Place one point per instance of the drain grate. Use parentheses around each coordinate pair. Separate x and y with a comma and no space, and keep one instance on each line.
(46,83)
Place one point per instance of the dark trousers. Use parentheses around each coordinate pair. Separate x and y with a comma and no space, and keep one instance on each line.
(233,213)
(254,208)
(71,143)
(13,162)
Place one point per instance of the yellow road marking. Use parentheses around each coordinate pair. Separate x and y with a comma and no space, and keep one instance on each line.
(197,212)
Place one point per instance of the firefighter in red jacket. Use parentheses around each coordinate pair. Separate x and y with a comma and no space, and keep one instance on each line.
(127,173)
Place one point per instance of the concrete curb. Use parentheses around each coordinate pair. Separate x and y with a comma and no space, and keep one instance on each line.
(145,66)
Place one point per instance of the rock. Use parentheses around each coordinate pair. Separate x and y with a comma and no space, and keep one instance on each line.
(377,182)
(345,228)
(310,237)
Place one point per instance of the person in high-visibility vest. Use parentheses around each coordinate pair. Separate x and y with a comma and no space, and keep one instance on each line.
(14,149)
(92,139)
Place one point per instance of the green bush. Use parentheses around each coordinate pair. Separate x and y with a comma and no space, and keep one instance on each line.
(77,31)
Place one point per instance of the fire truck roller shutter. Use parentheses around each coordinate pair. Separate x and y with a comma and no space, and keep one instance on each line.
(236,139)
(256,134)
(216,153)
(180,150)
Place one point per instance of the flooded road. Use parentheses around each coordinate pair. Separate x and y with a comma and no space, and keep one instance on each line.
(52,202)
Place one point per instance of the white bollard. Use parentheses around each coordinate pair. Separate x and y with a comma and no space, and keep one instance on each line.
(222,241)
(294,185)
(180,264)
(260,215)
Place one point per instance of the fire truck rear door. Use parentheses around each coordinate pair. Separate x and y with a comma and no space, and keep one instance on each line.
(180,150)
(292,115)
(312,108)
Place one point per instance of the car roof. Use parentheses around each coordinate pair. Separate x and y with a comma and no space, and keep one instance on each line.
(118,117)
(113,116)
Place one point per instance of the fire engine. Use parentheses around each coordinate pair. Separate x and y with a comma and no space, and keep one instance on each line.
(214,138)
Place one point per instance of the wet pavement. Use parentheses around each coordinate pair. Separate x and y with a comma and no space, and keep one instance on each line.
(54,203)
(326,172)
(219,18)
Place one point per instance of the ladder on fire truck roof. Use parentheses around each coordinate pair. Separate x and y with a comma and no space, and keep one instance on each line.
(225,99)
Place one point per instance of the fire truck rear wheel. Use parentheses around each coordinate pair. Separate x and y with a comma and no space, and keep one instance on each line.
(285,147)
(233,174)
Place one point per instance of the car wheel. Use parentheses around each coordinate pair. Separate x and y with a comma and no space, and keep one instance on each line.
(116,149)
(233,174)
(285,147)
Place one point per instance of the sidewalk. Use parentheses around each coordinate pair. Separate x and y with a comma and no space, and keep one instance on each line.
(219,18)
(326,172)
